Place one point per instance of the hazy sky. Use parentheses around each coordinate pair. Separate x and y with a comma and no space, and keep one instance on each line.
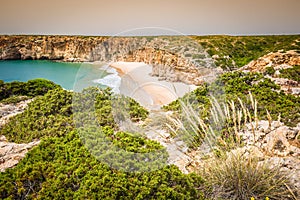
(110,17)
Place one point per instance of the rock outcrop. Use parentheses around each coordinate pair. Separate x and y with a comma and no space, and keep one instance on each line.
(277,61)
(9,110)
(276,144)
(170,60)
(11,153)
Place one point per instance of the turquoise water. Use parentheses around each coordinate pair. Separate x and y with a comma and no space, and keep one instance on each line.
(71,76)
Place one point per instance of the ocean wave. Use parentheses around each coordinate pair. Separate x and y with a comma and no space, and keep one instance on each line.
(112,80)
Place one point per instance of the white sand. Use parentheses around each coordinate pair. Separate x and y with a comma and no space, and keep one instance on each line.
(147,90)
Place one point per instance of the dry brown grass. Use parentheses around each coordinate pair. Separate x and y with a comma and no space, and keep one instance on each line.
(230,173)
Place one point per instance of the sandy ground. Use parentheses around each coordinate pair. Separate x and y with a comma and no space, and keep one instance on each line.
(147,90)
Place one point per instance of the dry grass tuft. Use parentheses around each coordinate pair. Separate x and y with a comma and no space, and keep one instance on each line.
(239,177)
(229,172)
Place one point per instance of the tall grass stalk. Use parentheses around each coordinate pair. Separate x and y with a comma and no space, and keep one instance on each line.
(231,173)
(239,176)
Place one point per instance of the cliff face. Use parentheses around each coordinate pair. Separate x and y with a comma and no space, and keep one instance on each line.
(170,59)
(47,47)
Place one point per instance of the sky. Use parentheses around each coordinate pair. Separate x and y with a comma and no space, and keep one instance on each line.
(136,17)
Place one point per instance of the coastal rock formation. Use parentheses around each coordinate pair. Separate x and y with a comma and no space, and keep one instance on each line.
(12,153)
(278,61)
(9,110)
(170,60)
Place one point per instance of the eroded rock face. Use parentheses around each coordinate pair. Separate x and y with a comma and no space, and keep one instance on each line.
(12,153)
(170,60)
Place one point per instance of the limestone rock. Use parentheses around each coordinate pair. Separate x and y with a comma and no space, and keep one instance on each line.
(277,145)
(10,54)
(278,61)
(12,153)
(9,110)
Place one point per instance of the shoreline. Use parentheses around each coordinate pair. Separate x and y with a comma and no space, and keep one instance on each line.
(137,83)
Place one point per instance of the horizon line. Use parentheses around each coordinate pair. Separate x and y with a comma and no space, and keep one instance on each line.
(154,35)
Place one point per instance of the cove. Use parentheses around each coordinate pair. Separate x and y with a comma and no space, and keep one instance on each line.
(65,74)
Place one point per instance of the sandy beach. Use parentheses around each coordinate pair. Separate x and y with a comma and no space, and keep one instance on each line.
(136,82)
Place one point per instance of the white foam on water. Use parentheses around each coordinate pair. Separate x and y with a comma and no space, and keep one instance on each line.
(112,80)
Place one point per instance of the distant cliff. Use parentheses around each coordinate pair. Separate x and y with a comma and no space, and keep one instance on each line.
(172,58)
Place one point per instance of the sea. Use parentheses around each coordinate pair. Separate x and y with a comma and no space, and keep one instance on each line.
(71,76)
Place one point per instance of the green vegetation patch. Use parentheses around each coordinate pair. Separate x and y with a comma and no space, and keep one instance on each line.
(233,87)
(31,88)
(291,73)
(236,51)
(62,168)
(48,115)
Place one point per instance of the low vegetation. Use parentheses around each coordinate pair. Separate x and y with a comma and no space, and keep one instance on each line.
(229,171)
(64,166)
(238,176)
(291,73)
(234,85)
(236,51)
(31,88)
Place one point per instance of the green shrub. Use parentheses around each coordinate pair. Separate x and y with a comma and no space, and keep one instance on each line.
(291,73)
(62,168)
(48,115)
(31,88)
(270,71)
(14,99)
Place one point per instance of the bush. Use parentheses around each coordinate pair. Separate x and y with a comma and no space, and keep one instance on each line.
(231,85)
(14,99)
(31,88)
(291,73)
(270,71)
(48,115)
(62,168)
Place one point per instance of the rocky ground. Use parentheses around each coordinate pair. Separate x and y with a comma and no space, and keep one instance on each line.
(11,153)
(9,110)
(278,60)
(273,143)
(276,144)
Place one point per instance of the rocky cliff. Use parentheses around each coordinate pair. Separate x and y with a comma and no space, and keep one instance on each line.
(170,59)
